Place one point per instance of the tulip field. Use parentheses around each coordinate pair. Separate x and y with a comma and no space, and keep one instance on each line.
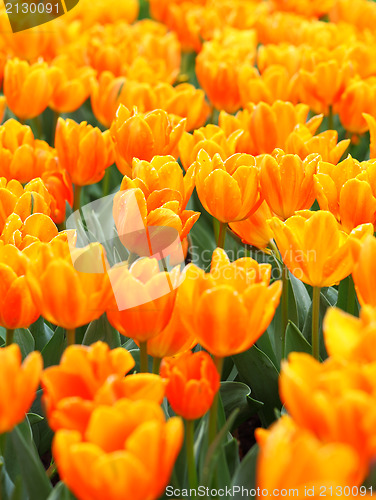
(187,249)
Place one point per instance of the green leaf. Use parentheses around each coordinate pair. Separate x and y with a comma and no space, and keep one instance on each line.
(25,340)
(260,374)
(301,298)
(42,433)
(100,329)
(61,492)
(22,450)
(53,351)
(236,395)
(245,475)
(294,341)
(34,418)
(41,333)
(347,300)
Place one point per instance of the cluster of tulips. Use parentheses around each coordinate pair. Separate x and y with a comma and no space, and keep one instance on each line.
(213,333)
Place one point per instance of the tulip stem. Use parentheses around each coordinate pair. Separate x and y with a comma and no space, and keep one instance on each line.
(351,296)
(315,322)
(144,365)
(9,337)
(189,444)
(71,336)
(106,182)
(284,305)
(330,118)
(222,234)
(214,408)
(156,365)
(77,198)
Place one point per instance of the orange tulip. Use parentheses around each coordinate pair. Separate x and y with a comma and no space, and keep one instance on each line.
(316,395)
(345,190)
(59,186)
(349,338)
(73,85)
(17,308)
(363,275)
(314,248)
(103,11)
(67,297)
(265,126)
(228,190)
(210,138)
(3,106)
(19,381)
(143,136)
(35,228)
(28,88)
(105,96)
(84,151)
(233,297)
(358,98)
(310,9)
(322,466)
(255,230)
(113,451)
(287,182)
(192,383)
(143,298)
(371,124)
(91,376)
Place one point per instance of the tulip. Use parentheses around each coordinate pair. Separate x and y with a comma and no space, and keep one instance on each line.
(210,138)
(228,190)
(65,296)
(28,88)
(18,382)
(3,106)
(103,11)
(113,451)
(349,338)
(84,151)
(255,230)
(316,395)
(363,275)
(321,464)
(143,136)
(287,182)
(358,98)
(35,228)
(105,92)
(371,123)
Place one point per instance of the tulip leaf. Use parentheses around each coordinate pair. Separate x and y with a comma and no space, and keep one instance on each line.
(245,475)
(41,333)
(236,395)
(34,418)
(294,341)
(21,449)
(53,351)
(347,300)
(42,433)
(61,492)
(301,298)
(259,373)
(100,329)
(25,340)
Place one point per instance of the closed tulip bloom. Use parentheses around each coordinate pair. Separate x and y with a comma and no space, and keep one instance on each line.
(287,182)
(349,338)
(234,297)
(210,138)
(3,106)
(255,230)
(17,308)
(314,248)
(28,88)
(228,190)
(192,382)
(73,85)
(105,92)
(316,395)
(143,298)
(371,125)
(320,463)
(137,135)
(358,98)
(345,190)
(113,451)
(363,272)
(65,296)
(18,382)
(84,151)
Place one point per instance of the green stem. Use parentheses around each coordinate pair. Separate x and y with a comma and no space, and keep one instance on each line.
(330,118)
(9,337)
(222,234)
(144,365)
(189,443)
(214,408)
(77,198)
(156,365)
(71,336)
(51,471)
(106,182)
(315,322)
(285,305)
(351,297)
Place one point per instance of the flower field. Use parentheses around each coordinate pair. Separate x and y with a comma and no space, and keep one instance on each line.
(187,249)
